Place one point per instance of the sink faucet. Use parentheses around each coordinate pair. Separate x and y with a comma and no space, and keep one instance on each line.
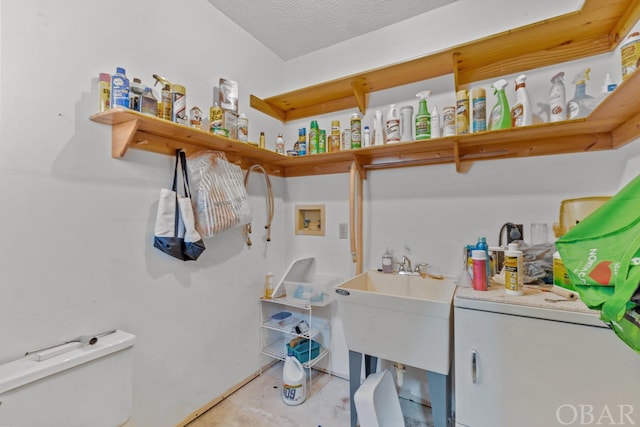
(405,265)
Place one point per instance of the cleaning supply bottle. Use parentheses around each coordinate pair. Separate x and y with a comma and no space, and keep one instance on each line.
(293,380)
(378,129)
(435,123)
(513,270)
(462,112)
(423,118)
(482,245)
(478,110)
(268,285)
(393,124)
(500,117)
(557,99)
(578,106)
(406,125)
(521,112)
(119,89)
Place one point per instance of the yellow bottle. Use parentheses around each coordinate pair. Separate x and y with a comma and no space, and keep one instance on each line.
(268,286)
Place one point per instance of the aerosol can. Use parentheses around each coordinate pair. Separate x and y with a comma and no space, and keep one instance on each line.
(578,106)
(557,99)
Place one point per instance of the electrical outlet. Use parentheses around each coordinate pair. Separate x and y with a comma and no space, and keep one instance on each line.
(343,232)
(514,232)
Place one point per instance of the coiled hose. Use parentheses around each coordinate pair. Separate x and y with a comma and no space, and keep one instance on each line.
(246,230)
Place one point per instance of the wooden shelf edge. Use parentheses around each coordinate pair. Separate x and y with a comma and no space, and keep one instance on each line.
(266,108)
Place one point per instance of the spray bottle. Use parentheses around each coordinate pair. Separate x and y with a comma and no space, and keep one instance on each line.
(423,118)
(500,118)
(578,105)
(521,112)
(557,99)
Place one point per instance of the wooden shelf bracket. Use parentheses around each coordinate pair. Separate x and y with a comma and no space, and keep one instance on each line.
(122,136)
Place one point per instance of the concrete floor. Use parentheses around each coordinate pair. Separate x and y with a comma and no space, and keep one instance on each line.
(259,404)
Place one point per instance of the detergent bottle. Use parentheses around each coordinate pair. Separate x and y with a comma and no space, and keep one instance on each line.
(557,99)
(578,106)
(500,117)
(435,123)
(521,112)
(423,118)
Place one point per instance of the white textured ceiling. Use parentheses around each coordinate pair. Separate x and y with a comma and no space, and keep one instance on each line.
(291,28)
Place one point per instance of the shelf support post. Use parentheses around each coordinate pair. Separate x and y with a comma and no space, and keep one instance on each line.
(122,136)
(267,108)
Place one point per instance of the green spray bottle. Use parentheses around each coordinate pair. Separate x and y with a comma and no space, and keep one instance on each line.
(500,113)
(579,105)
(423,118)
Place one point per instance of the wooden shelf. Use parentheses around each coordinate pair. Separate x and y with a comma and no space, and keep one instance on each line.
(597,28)
(614,123)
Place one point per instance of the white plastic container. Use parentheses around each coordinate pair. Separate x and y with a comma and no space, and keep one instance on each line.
(294,390)
(513,270)
(377,403)
(303,286)
(393,124)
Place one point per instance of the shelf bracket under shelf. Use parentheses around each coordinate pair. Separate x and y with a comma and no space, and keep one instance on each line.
(359,94)
(122,136)
(461,167)
(267,108)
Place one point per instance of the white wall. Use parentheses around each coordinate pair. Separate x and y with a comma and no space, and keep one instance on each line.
(76,252)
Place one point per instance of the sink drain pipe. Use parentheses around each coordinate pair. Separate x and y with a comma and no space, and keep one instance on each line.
(400,370)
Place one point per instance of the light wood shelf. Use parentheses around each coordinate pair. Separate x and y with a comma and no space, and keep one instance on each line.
(596,28)
(614,123)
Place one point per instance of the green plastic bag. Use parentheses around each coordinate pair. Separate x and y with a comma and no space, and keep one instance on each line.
(602,256)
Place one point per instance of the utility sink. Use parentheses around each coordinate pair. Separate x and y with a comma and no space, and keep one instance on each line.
(401,318)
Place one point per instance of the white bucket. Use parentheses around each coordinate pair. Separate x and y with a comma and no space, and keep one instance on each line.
(293,381)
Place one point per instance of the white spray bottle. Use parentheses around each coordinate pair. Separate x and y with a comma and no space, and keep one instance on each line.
(557,99)
(393,124)
(578,106)
(521,112)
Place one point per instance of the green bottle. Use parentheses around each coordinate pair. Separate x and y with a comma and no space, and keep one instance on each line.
(314,137)
(423,118)
(501,113)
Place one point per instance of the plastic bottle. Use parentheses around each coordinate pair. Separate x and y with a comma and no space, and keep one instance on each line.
(423,118)
(243,128)
(578,106)
(387,262)
(521,114)
(261,144)
(630,54)
(393,124)
(148,102)
(179,104)
(500,117)
(314,137)
(479,261)
(136,90)
(294,380)
(280,144)
(513,270)
(478,110)
(366,140)
(356,131)
(462,112)
(557,99)
(119,89)
(378,129)
(435,123)
(483,246)
(268,285)
(104,92)
(406,125)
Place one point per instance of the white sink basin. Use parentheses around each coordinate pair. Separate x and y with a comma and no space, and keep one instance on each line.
(402,318)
